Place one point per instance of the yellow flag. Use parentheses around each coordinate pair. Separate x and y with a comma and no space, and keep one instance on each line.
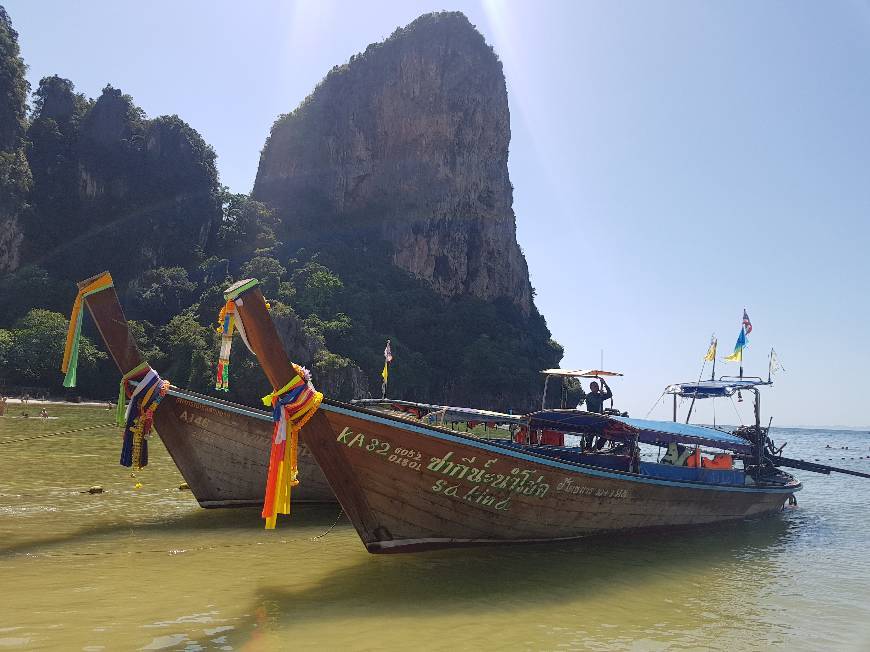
(737,356)
(711,352)
(385,372)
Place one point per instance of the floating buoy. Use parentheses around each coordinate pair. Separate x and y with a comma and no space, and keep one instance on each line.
(184,487)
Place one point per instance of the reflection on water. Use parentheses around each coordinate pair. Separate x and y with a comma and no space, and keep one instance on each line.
(149,569)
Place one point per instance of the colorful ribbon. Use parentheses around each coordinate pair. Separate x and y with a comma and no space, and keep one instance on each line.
(292,406)
(73,335)
(229,321)
(138,418)
(227,326)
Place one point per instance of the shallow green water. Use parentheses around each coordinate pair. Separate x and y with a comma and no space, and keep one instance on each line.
(149,569)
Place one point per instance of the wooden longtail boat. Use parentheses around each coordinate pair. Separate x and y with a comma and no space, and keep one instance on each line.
(220,448)
(409,486)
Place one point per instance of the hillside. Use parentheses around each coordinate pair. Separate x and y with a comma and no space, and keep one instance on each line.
(382,209)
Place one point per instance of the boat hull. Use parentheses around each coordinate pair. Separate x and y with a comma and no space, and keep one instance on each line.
(409,487)
(222,451)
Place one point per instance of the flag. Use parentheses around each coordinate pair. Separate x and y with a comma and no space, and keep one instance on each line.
(774,363)
(711,352)
(747,325)
(388,354)
(737,356)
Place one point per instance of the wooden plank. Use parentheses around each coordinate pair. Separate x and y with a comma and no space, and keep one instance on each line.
(224,456)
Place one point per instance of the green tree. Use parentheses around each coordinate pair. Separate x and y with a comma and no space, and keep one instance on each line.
(161,293)
(6,343)
(268,271)
(37,349)
(31,287)
(15,176)
(247,229)
(317,287)
(191,351)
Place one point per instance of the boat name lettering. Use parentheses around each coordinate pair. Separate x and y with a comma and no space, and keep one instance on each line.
(475,494)
(190,417)
(225,416)
(520,481)
(402,456)
(567,486)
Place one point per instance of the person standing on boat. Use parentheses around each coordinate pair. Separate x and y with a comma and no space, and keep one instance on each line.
(595,398)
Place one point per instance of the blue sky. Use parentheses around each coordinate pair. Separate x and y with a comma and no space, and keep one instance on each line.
(673,161)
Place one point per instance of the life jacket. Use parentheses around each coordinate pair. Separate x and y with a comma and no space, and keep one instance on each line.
(676,455)
(722,461)
(694,459)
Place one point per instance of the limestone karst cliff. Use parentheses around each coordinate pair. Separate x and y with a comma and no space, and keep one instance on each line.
(14,172)
(408,143)
(104,172)
(385,212)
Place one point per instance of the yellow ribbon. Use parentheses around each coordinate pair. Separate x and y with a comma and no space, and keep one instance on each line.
(75,322)
(268,398)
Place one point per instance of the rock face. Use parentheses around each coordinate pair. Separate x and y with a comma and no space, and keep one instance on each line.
(104,173)
(408,143)
(14,173)
(337,377)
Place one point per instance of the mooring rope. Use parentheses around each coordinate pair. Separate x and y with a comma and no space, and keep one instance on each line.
(329,529)
(55,434)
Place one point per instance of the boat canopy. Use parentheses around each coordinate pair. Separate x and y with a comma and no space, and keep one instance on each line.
(580,373)
(646,431)
(443,412)
(713,388)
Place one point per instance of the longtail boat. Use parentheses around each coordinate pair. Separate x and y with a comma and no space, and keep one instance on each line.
(220,448)
(409,486)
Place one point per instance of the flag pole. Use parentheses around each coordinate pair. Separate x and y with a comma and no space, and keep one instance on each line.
(769,363)
(700,375)
(713,373)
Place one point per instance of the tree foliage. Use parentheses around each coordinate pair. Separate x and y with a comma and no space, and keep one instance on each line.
(34,350)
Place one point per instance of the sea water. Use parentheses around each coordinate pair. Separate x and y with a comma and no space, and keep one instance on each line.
(148,569)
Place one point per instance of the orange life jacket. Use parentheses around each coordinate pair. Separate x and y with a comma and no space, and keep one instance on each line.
(722,461)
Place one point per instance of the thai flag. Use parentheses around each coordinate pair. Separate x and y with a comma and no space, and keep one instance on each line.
(388,353)
(746,323)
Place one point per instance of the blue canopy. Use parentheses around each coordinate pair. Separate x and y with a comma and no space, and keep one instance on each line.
(713,388)
(646,431)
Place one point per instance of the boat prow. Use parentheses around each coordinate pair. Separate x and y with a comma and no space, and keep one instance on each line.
(220,448)
(222,451)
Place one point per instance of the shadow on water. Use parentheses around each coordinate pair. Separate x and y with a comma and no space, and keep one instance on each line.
(199,522)
(511,578)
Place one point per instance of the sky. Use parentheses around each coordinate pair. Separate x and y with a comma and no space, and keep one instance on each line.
(673,162)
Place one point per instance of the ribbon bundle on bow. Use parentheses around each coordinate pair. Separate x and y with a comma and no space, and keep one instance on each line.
(292,406)
(73,336)
(228,323)
(139,414)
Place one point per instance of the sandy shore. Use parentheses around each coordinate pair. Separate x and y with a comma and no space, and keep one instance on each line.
(37,402)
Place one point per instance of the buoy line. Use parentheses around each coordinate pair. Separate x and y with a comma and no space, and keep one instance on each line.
(176,551)
(55,434)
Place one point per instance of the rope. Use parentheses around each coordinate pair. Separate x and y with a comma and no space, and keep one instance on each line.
(739,418)
(55,434)
(658,400)
(329,529)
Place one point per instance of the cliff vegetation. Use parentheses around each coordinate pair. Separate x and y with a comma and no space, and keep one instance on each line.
(382,209)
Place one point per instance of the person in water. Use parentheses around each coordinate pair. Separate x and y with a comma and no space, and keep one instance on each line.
(595,398)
